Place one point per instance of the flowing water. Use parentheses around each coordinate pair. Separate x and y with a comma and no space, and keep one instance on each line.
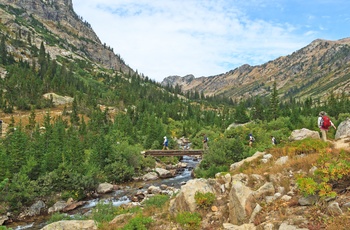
(118,197)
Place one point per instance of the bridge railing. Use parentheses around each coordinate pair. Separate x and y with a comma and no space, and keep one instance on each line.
(192,152)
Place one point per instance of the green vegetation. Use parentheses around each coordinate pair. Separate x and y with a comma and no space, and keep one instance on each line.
(189,220)
(332,168)
(204,200)
(157,201)
(61,216)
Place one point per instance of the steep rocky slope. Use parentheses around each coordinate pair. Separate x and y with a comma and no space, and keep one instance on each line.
(57,25)
(314,71)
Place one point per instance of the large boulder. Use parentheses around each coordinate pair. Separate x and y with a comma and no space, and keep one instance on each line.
(163,173)
(58,206)
(246,160)
(343,129)
(104,188)
(239,198)
(303,133)
(71,225)
(184,201)
(33,210)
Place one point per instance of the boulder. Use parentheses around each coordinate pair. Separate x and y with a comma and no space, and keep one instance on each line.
(72,225)
(58,206)
(150,176)
(303,133)
(248,159)
(343,129)
(184,201)
(104,188)
(163,173)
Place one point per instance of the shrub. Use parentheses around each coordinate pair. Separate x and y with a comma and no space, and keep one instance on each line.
(204,200)
(156,201)
(61,216)
(331,168)
(188,220)
(139,222)
(105,212)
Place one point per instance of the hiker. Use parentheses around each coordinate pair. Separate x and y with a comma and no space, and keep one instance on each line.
(324,122)
(165,143)
(205,142)
(251,139)
(273,140)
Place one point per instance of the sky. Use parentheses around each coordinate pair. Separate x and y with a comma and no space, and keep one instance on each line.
(161,38)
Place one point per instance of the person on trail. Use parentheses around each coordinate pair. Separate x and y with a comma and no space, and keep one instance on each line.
(165,143)
(324,122)
(251,140)
(273,140)
(205,142)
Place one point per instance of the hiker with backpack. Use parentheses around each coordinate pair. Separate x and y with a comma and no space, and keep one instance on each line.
(165,143)
(251,139)
(273,140)
(205,142)
(324,122)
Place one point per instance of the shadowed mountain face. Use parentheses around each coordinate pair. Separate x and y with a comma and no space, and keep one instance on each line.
(57,25)
(321,68)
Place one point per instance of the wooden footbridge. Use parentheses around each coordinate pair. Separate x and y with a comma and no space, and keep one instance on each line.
(187,152)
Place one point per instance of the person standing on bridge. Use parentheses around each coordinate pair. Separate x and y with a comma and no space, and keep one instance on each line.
(205,142)
(165,143)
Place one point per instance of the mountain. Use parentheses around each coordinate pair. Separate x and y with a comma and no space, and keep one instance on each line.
(55,22)
(315,71)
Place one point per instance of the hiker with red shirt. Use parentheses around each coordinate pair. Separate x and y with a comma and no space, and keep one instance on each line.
(324,122)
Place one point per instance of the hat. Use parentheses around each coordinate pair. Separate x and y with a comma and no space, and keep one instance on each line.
(164,137)
(322,113)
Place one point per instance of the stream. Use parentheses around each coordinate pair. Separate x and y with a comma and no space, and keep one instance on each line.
(118,197)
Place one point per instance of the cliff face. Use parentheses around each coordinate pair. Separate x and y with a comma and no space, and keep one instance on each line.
(57,19)
(321,68)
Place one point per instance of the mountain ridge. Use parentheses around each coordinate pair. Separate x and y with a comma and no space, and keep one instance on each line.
(58,17)
(322,63)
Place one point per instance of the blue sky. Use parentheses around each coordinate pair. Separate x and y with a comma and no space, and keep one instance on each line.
(161,38)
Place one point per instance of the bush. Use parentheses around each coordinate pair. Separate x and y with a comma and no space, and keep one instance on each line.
(204,200)
(61,216)
(105,212)
(156,201)
(138,223)
(188,220)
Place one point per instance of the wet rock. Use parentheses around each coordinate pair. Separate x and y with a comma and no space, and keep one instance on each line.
(58,206)
(150,176)
(3,219)
(104,188)
(74,206)
(34,210)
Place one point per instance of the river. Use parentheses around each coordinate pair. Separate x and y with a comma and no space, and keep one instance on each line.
(118,197)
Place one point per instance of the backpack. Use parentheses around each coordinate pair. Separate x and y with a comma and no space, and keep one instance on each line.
(253,139)
(275,141)
(325,122)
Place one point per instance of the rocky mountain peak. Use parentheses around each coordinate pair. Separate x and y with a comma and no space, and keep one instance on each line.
(76,37)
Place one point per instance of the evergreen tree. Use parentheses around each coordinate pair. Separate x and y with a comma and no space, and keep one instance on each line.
(3,51)
(274,102)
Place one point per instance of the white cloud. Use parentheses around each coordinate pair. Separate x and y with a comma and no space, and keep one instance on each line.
(204,38)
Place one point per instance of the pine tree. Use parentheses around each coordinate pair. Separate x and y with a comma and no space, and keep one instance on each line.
(274,102)
(3,51)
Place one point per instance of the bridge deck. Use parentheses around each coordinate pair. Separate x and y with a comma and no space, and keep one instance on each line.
(191,152)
